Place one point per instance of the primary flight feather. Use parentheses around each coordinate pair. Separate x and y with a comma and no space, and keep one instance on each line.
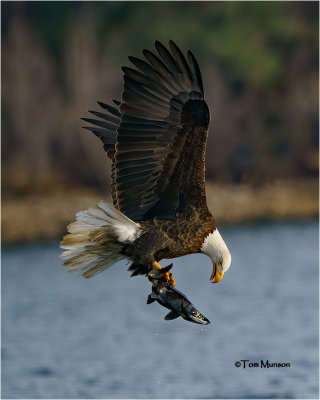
(156,139)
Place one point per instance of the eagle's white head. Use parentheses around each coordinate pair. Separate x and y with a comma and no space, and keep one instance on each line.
(215,248)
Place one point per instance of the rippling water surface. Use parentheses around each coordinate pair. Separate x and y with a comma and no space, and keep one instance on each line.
(68,337)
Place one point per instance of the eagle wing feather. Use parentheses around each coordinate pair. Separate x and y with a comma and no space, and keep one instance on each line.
(156,137)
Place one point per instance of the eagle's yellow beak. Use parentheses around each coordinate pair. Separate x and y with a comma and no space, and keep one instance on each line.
(216,274)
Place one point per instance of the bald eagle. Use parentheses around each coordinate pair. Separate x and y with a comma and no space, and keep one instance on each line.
(156,140)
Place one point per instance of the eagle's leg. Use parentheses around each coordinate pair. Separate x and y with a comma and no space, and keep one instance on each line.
(166,275)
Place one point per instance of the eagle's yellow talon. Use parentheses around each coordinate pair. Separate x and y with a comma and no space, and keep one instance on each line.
(156,265)
(169,278)
(167,275)
(172,281)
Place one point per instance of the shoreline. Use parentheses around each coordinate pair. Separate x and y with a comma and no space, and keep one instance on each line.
(39,217)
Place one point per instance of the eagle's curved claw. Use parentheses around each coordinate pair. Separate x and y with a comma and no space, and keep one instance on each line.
(158,272)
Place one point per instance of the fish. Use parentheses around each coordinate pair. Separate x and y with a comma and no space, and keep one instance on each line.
(173,299)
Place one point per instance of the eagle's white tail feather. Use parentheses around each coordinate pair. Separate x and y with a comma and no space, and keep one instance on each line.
(95,239)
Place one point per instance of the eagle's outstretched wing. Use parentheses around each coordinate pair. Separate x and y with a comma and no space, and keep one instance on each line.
(157,135)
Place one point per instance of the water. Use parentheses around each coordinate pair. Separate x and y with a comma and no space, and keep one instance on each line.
(68,337)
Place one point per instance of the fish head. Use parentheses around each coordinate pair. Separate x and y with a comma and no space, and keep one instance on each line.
(191,314)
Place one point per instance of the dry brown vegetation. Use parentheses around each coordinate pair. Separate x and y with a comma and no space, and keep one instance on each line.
(43,217)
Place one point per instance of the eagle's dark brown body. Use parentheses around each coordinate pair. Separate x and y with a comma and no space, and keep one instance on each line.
(165,236)
(168,239)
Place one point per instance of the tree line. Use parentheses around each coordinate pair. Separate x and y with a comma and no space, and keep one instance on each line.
(259,62)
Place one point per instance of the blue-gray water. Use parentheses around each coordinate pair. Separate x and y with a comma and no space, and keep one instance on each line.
(67,337)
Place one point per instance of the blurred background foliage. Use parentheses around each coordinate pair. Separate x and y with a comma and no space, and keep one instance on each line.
(259,62)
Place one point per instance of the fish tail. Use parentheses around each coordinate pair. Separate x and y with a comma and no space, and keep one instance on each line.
(96,238)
